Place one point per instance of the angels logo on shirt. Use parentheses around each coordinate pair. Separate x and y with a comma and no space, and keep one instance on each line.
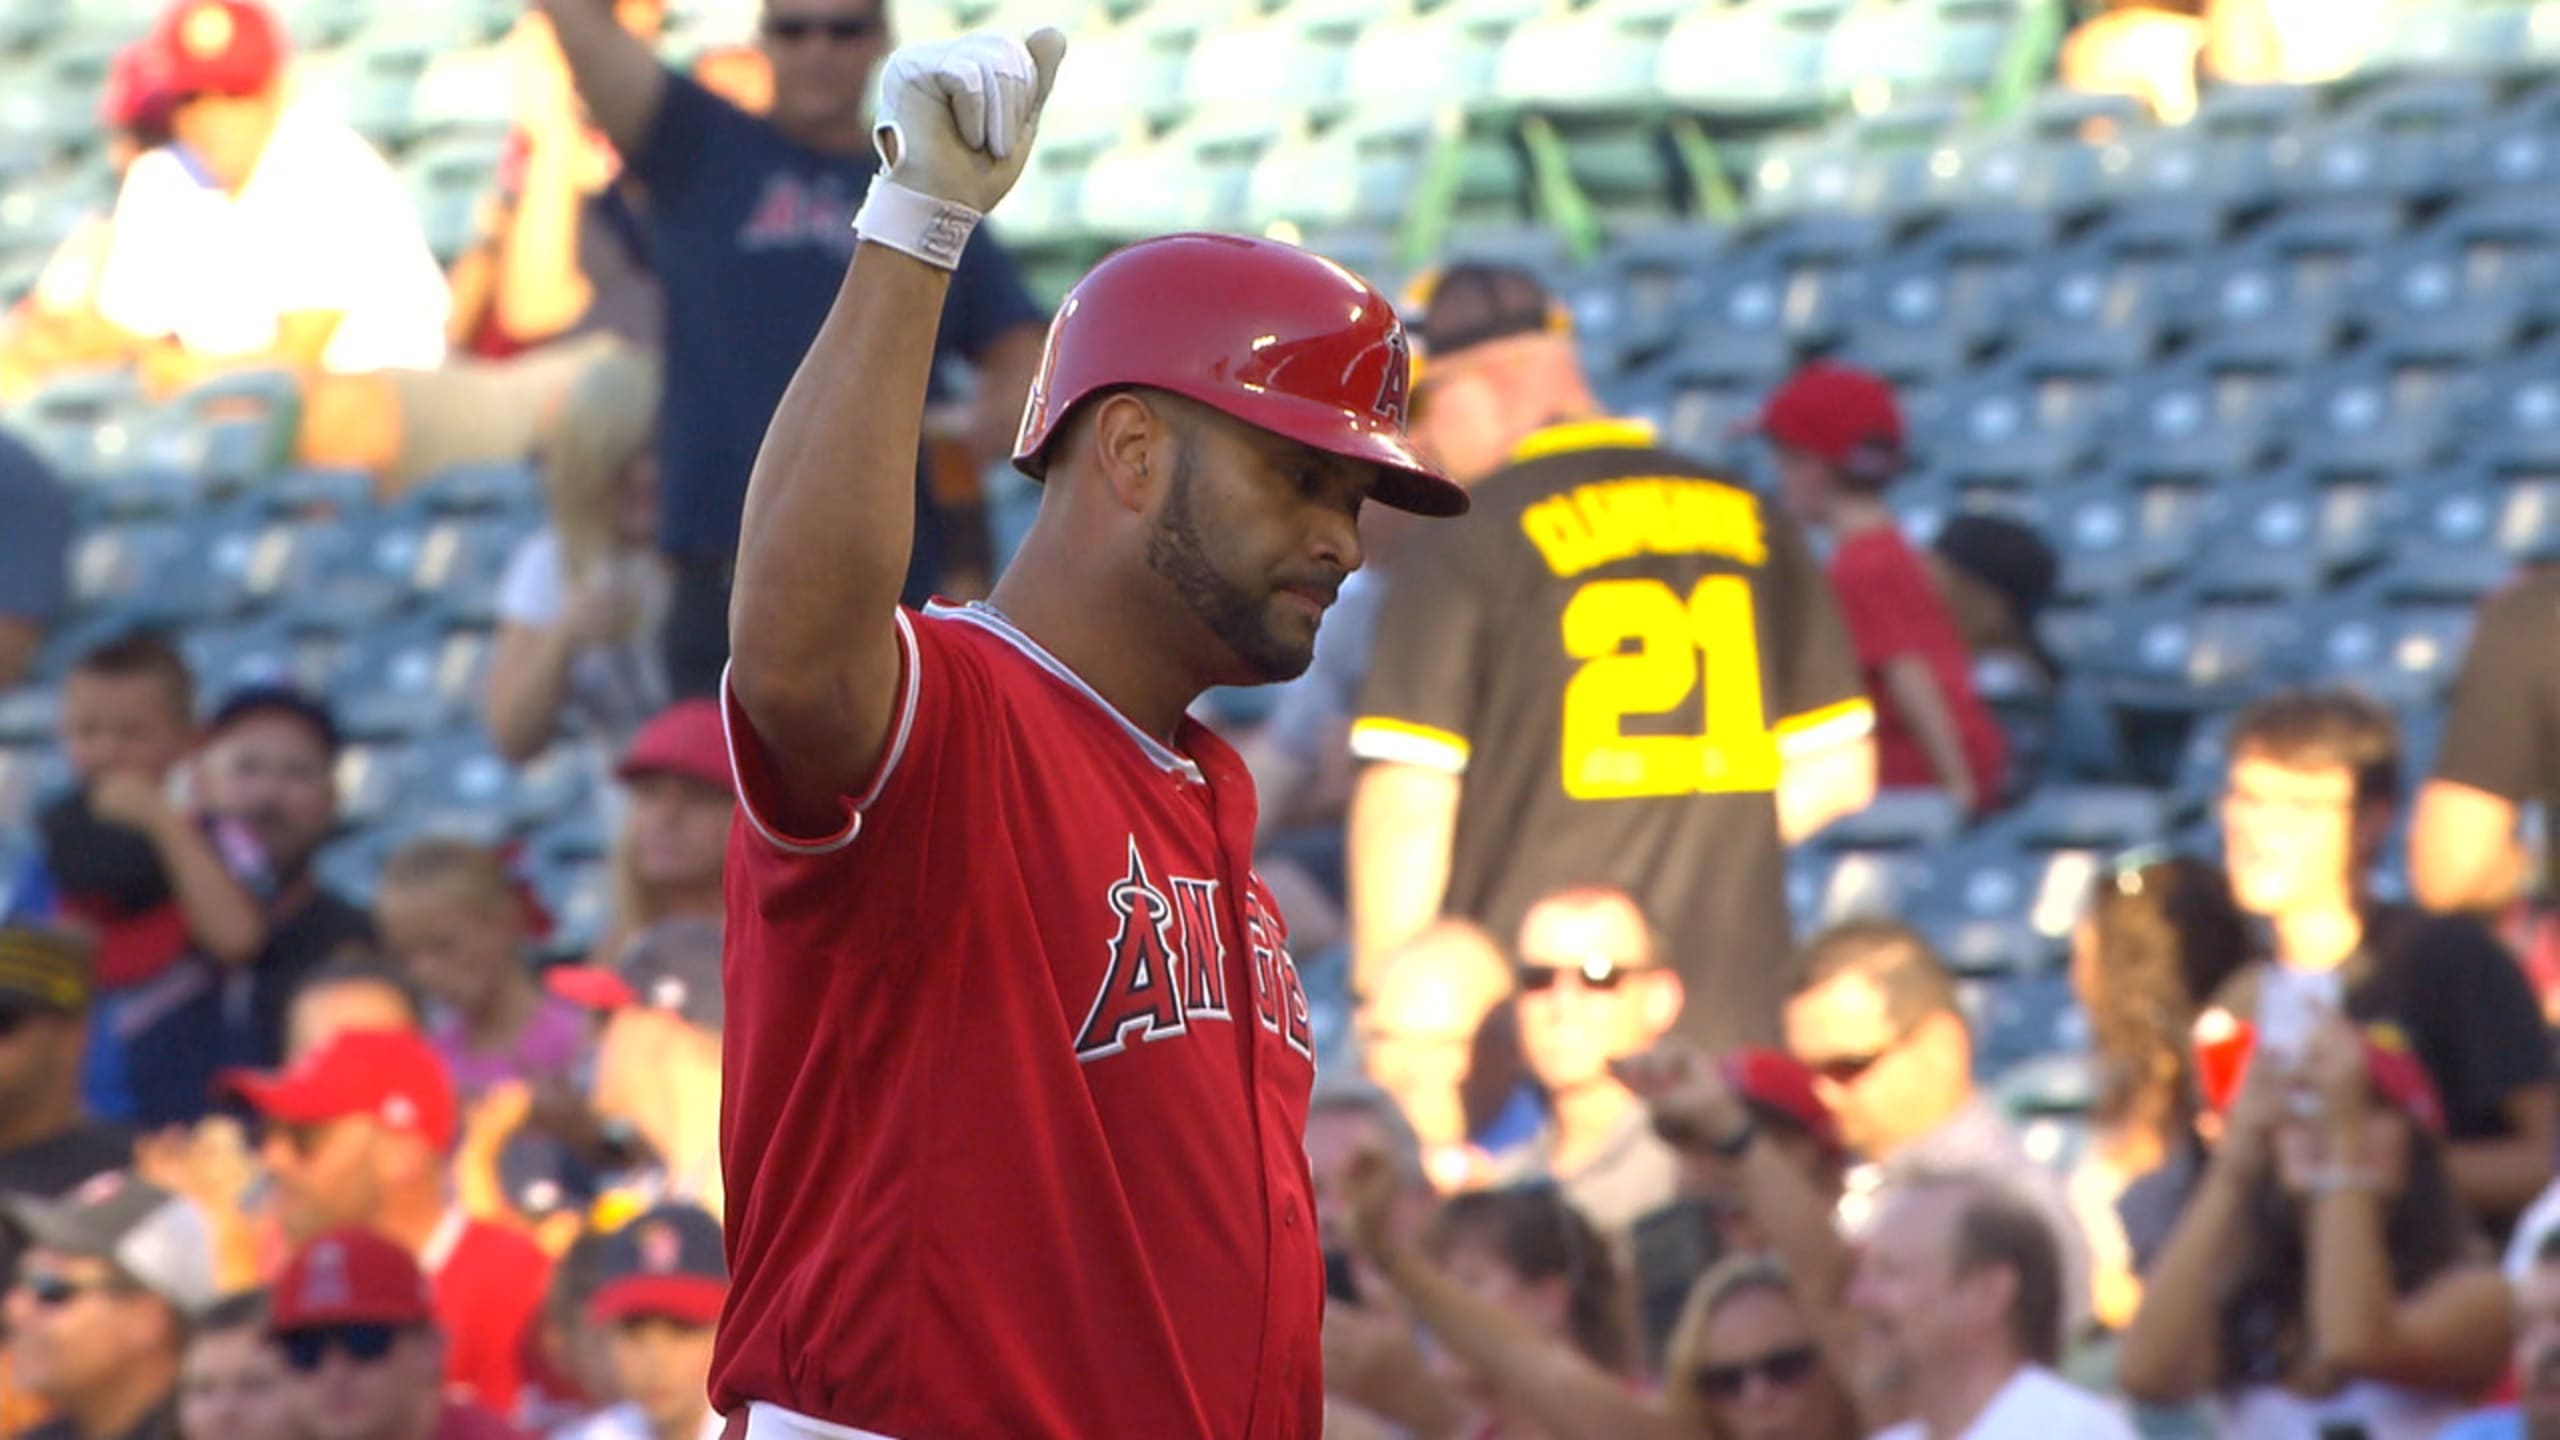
(1167,965)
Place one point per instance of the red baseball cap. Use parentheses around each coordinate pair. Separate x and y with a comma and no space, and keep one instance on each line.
(1845,416)
(137,96)
(219,47)
(349,1277)
(395,1076)
(1780,1082)
(684,739)
(2224,1043)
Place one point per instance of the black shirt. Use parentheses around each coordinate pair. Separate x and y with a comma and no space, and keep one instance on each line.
(1615,648)
(2502,734)
(2456,995)
(204,1016)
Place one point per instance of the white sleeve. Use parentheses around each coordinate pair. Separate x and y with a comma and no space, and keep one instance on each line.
(531,591)
(139,285)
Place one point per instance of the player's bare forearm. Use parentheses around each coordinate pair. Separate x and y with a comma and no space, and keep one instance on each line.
(829,520)
(1403,821)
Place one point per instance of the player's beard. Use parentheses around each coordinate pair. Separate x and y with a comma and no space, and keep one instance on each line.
(1240,617)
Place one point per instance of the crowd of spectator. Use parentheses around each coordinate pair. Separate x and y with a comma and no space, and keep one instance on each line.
(1601,1151)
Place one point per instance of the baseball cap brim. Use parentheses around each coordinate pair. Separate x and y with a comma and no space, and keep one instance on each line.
(592,986)
(1406,482)
(278,1097)
(57,1225)
(685,1299)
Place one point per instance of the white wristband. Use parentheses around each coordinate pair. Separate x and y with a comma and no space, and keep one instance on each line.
(934,231)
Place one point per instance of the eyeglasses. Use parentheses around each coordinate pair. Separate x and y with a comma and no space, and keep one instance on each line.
(1597,972)
(307,1350)
(52,1291)
(842,29)
(1781,1368)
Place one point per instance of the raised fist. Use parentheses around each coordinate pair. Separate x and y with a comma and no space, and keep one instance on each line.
(957,116)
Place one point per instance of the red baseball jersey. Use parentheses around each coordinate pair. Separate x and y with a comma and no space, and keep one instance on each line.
(1017,1069)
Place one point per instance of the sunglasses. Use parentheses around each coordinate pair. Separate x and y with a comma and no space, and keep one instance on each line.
(1781,1368)
(1597,972)
(843,29)
(52,1292)
(307,1350)
(14,1018)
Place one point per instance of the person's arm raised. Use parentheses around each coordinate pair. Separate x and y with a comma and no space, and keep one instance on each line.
(830,509)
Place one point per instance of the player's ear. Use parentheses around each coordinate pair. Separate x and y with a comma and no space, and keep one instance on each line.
(1132,448)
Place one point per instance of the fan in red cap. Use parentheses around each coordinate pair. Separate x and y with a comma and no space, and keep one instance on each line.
(1837,435)
(354,1320)
(661,1283)
(993,926)
(357,1136)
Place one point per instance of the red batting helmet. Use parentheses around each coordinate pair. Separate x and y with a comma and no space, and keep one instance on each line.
(1280,339)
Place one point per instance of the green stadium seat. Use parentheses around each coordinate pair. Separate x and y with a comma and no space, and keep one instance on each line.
(1418,65)
(464,91)
(1753,60)
(1261,71)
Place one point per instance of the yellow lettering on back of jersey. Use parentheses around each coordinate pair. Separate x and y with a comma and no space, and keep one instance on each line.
(1610,520)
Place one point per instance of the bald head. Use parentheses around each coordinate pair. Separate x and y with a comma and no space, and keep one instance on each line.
(1573,928)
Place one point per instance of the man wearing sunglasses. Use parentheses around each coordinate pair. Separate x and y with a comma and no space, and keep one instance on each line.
(1876,1021)
(749,231)
(97,1316)
(1593,990)
(362,1353)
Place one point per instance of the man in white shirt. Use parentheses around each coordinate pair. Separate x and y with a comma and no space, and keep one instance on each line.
(265,237)
(1959,1299)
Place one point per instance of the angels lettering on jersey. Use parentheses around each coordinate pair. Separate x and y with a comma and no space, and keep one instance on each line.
(793,210)
(1167,965)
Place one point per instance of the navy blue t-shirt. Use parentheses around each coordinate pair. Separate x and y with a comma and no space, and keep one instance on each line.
(752,233)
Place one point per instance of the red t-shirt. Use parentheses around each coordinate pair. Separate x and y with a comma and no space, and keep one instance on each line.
(1893,610)
(1017,1069)
(489,1283)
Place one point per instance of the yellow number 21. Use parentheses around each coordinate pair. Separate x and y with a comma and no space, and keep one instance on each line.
(1711,638)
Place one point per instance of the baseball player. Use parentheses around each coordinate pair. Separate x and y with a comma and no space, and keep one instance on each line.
(1017,1060)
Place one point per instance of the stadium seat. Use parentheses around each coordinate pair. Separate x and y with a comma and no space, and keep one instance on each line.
(2458,537)
(2007,428)
(1764,58)
(2091,311)
(446,178)
(2258,309)
(2517,427)
(87,425)
(2438,302)
(1266,68)
(235,429)
(2108,819)
(2188,423)
(1919,316)
(29,775)
(147,572)
(2363,419)
(463,91)
(1418,65)
(2430,38)
(2027,1018)
(2401,654)
(1120,78)
(406,680)
(367,84)
(258,652)
(1881,50)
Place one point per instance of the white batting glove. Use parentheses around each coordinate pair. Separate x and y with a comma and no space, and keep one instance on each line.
(955,126)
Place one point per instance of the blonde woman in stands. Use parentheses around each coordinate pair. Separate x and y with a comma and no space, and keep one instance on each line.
(579,609)
(1745,1362)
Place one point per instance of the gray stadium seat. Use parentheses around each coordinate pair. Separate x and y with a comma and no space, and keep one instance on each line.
(2363,419)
